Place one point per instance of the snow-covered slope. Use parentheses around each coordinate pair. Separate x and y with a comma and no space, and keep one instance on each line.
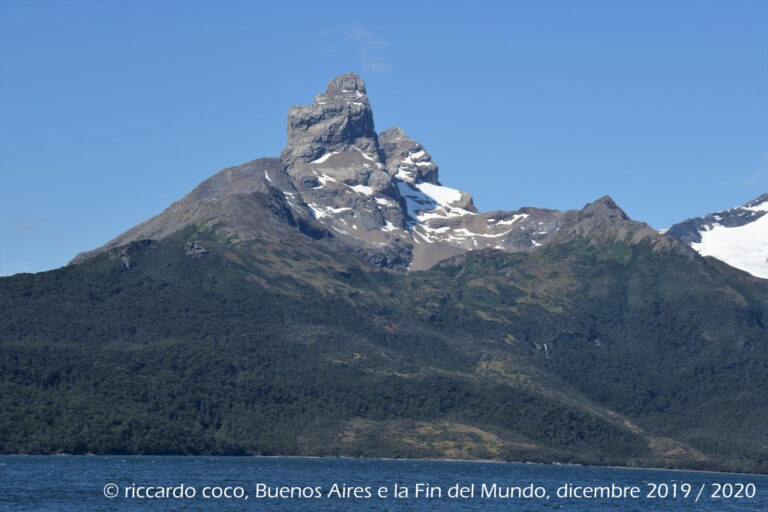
(738,236)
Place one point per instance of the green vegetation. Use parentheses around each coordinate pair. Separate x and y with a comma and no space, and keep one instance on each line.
(597,354)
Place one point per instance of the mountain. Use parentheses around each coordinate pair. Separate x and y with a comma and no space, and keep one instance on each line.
(339,300)
(738,236)
(376,195)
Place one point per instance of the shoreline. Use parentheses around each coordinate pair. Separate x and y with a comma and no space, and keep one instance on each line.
(475,461)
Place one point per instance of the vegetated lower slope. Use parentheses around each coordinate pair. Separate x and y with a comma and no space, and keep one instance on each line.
(203,355)
(601,351)
(675,343)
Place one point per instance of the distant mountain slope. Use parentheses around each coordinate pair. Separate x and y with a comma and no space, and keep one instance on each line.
(738,236)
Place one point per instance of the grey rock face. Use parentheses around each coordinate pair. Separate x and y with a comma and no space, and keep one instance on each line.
(406,159)
(334,159)
(338,120)
(603,219)
(602,210)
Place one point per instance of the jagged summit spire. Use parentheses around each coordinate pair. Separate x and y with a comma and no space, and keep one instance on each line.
(346,89)
(339,119)
(346,82)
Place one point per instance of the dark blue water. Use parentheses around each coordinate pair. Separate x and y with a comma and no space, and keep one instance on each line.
(80,483)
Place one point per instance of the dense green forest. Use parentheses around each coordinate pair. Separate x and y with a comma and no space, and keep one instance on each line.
(595,353)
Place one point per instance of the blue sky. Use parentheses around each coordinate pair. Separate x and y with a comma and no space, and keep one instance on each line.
(109,111)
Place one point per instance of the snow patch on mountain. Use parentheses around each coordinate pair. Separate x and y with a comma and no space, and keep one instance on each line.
(744,247)
(760,207)
(738,236)
(426,201)
(515,218)
(443,195)
(323,179)
(362,189)
(324,157)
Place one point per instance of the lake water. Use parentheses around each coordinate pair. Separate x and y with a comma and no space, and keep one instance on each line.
(83,483)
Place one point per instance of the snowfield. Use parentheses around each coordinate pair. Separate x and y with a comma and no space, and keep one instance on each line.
(744,247)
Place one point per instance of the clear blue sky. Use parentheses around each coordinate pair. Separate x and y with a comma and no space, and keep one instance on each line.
(109,111)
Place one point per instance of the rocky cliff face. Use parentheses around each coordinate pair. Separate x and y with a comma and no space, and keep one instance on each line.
(339,183)
(406,159)
(339,120)
(335,162)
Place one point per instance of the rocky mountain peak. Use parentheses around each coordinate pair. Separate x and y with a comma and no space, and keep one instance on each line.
(603,209)
(339,120)
(406,159)
(339,183)
(348,83)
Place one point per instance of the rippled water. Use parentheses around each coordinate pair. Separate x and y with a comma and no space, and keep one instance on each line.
(80,483)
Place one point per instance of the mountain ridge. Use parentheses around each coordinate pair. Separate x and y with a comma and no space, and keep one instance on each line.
(377,194)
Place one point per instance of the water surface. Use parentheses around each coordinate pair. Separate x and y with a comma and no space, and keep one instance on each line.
(81,483)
